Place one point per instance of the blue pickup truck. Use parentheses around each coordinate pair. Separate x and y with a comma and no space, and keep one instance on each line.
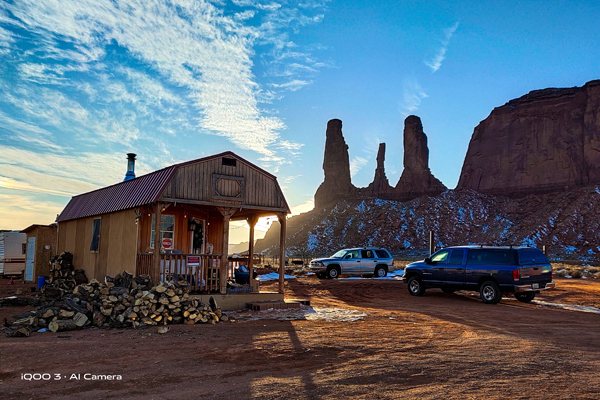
(489,270)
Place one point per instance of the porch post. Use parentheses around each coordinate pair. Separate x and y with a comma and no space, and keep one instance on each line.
(226,212)
(156,269)
(251,223)
(282,231)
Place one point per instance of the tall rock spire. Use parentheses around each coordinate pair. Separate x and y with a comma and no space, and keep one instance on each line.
(416,180)
(380,185)
(336,165)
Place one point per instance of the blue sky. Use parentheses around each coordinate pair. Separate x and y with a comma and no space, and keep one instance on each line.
(85,81)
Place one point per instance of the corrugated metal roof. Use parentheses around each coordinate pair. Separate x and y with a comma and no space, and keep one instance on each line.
(122,196)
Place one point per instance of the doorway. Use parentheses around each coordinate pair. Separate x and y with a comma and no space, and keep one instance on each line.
(197,238)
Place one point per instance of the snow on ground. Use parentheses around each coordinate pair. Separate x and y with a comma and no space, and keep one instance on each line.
(273,276)
(397,274)
(303,313)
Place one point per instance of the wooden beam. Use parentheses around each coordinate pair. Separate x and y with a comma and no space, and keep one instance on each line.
(156,267)
(282,233)
(226,212)
(252,220)
(222,204)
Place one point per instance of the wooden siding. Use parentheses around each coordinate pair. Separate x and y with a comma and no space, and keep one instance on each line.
(117,250)
(197,182)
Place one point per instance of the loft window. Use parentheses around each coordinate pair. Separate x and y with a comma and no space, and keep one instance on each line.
(95,235)
(232,162)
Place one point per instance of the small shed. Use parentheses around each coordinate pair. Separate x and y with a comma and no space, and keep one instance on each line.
(41,246)
(115,228)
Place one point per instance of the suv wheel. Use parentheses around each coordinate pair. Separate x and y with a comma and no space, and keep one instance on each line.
(415,286)
(525,297)
(333,272)
(490,292)
(380,272)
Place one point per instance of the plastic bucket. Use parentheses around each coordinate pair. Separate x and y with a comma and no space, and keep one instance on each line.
(41,281)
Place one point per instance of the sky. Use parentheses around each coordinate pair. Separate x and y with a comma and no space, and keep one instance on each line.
(83,82)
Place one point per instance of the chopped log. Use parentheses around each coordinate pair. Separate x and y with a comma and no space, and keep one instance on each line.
(61,325)
(160,288)
(71,304)
(80,319)
(63,314)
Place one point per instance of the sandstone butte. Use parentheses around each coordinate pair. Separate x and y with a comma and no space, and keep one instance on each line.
(416,180)
(545,141)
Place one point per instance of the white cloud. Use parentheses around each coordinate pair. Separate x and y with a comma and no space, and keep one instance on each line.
(436,61)
(19,211)
(412,96)
(292,85)
(356,164)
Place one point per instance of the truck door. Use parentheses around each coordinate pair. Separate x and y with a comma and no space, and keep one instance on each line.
(367,261)
(351,263)
(455,269)
(438,266)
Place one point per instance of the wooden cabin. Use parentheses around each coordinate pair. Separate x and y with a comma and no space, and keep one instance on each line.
(114,229)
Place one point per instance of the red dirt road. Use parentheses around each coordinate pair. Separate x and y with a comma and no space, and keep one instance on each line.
(431,347)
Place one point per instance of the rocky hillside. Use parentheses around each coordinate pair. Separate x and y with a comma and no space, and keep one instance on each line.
(567,222)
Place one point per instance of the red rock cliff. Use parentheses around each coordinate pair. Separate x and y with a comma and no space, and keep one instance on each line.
(547,140)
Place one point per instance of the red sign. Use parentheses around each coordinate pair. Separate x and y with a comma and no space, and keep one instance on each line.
(167,243)
(193,260)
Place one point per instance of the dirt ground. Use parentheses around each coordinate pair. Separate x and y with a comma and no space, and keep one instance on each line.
(431,347)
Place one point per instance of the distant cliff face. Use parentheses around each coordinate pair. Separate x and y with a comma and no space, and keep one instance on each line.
(416,180)
(547,140)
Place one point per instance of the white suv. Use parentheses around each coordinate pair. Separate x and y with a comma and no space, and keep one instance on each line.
(365,261)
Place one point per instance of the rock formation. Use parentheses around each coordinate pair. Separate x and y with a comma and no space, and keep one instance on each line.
(545,141)
(416,180)
(380,185)
(336,165)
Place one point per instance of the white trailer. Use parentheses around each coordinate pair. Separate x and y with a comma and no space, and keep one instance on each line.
(12,253)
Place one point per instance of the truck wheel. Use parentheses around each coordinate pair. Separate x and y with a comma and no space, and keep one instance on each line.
(333,272)
(525,297)
(415,286)
(380,272)
(490,292)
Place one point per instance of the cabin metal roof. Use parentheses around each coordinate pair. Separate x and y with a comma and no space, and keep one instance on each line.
(137,192)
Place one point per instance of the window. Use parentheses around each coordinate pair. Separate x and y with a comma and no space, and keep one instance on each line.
(367,254)
(352,254)
(456,257)
(167,231)
(95,246)
(489,257)
(382,254)
(440,257)
(232,162)
(529,257)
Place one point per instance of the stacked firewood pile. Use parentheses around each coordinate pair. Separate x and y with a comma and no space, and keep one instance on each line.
(63,277)
(122,301)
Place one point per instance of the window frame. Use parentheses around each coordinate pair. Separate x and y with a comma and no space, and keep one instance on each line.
(152,230)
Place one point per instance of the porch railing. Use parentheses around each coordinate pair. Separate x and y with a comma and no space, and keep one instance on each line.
(202,276)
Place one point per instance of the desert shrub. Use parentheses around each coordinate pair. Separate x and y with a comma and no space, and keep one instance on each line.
(561,273)
(592,270)
(576,274)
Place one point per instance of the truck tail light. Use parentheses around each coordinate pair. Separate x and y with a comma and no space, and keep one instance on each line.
(516,274)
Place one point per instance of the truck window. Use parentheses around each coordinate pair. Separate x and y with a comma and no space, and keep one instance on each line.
(440,257)
(489,257)
(367,254)
(533,256)
(382,254)
(456,257)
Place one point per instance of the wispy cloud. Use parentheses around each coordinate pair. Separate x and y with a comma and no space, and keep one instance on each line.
(356,164)
(413,94)
(436,61)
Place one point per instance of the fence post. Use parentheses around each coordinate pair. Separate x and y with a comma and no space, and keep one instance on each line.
(431,245)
